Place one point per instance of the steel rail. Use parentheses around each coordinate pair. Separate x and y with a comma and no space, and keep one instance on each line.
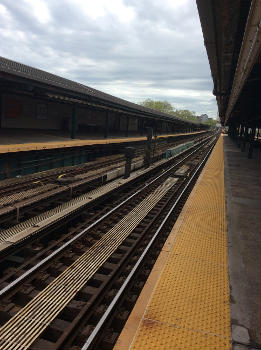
(53,173)
(27,325)
(65,245)
(107,313)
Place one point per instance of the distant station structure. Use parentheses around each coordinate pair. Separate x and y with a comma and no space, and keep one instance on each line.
(231,31)
(47,121)
(35,99)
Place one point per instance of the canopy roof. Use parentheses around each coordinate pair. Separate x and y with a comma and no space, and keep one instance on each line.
(36,81)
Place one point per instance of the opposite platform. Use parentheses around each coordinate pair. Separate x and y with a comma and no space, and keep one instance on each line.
(185,302)
(49,144)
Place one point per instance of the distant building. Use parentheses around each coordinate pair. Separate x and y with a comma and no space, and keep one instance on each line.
(204,117)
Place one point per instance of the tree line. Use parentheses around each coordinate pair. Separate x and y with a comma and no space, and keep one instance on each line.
(166,107)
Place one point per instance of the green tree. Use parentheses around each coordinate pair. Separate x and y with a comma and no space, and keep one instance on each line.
(166,107)
(163,106)
(186,114)
(211,122)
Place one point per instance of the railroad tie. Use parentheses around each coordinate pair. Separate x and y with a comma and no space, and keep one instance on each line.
(13,198)
(7,234)
(24,327)
(28,227)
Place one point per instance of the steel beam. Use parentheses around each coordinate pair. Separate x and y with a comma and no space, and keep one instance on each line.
(74,127)
(245,138)
(127,126)
(1,109)
(250,49)
(240,135)
(106,128)
(251,142)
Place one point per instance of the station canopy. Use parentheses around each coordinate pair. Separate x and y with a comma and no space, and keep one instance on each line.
(231,30)
(20,78)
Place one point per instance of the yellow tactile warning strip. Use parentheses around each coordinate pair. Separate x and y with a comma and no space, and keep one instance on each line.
(75,143)
(185,302)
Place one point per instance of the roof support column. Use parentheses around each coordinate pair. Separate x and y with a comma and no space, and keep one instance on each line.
(127,126)
(129,154)
(74,127)
(160,129)
(1,109)
(240,136)
(106,128)
(141,123)
(251,142)
(243,145)
(147,158)
(155,127)
(237,133)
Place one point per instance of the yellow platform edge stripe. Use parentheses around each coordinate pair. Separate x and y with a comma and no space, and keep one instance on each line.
(33,146)
(184,304)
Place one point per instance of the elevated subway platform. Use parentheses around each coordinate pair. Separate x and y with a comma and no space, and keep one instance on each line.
(185,302)
(243,208)
(20,143)
(206,282)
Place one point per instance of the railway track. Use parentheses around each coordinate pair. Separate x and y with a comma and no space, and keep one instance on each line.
(20,200)
(13,185)
(34,225)
(73,282)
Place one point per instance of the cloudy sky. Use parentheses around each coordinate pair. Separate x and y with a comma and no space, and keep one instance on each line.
(133,49)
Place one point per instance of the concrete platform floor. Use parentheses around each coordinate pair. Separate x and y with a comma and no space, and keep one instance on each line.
(243,208)
(19,136)
(15,140)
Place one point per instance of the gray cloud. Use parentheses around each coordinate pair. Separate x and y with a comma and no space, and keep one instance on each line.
(135,50)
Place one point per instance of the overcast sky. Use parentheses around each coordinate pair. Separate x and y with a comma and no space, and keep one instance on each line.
(133,49)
